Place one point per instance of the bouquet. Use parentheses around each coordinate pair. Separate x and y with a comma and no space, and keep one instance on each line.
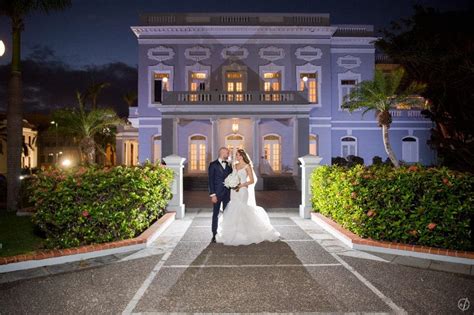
(232,181)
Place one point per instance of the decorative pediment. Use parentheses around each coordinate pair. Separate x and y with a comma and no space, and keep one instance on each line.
(197,53)
(308,53)
(349,62)
(271,53)
(235,52)
(160,53)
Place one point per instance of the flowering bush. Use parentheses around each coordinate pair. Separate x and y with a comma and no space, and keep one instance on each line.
(95,205)
(414,205)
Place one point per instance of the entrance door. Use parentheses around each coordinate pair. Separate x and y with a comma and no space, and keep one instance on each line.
(233,143)
(197,153)
(272,151)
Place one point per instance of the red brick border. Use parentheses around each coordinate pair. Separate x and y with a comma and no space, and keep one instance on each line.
(355,239)
(142,238)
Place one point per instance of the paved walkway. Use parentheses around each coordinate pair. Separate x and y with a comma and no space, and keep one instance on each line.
(309,271)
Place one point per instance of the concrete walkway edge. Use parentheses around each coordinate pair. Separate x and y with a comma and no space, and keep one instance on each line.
(347,240)
(146,238)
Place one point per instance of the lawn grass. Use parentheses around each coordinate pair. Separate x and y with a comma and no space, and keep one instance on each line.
(17,235)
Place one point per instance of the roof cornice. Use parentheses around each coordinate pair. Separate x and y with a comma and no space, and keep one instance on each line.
(216,30)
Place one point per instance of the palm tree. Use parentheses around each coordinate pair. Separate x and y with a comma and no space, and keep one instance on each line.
(382,94)
(94,91)
(130,98)
(16,10)
(84,125)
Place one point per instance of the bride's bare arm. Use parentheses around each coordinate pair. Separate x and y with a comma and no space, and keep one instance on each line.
(251,180)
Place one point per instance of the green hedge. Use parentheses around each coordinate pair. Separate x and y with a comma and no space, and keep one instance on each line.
(413,205)
(95,205)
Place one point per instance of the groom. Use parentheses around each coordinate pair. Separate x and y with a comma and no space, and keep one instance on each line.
(218,171)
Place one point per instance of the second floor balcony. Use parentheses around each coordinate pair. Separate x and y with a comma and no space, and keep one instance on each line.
(245,98)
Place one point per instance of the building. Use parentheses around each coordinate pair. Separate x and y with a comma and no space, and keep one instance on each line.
(29,155)
(270,83)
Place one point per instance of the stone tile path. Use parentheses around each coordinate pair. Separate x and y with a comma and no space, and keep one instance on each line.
(308,271)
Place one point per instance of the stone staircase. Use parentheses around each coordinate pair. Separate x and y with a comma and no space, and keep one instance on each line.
(195,182)
(275,182)
(279,182)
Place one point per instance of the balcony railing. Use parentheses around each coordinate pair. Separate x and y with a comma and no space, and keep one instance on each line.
(406,113)
(219,97)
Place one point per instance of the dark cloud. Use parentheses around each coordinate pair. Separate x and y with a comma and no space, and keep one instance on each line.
(49,83)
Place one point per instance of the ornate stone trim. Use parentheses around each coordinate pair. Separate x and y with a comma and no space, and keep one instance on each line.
(235,52)
(197,53)
(160,53)
(271,53)
(308,53)
(348,62)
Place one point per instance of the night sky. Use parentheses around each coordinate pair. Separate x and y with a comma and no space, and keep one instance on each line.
(98,31)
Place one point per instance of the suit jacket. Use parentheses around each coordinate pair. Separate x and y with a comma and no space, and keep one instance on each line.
(217,175)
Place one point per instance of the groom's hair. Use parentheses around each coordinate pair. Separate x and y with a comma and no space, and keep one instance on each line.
(223,148)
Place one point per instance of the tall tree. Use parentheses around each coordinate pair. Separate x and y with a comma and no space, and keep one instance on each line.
(17,10)
(130,98)
(85,125)
(94,91)
(382,94)
(438,48)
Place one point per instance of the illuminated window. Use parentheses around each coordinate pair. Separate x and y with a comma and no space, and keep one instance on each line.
(272,151)
(197,153)
(311,84)
(272,83)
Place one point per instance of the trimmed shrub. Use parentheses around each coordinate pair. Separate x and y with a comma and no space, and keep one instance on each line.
(353,160)
(413,205)
(339,160)
(95,205)
(377,160)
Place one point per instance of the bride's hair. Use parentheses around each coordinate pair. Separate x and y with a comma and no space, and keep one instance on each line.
(245,156)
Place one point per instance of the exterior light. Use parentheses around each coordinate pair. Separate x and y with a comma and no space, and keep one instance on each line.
(66,163)
(235,126)
(22,177)
(2,48)
(305,79)
(53,122)
(165,79)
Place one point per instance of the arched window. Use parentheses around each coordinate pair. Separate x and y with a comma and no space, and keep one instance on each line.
(272,151)
(313,144)
(234,142)
(197,153)
(348,146)
(410,150)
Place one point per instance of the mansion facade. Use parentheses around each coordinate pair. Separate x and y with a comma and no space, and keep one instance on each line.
(270,83)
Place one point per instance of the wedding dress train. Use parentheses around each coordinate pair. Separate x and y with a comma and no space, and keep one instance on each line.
(243,222)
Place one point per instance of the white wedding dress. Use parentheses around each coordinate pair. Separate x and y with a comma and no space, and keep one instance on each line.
(243,222)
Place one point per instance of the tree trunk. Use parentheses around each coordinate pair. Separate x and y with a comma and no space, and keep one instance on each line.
(14,122)
(88,148)
(388,147)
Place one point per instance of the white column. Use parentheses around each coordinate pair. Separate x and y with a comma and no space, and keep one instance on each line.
(215,125)
(295,146)
(256,151)
(176,163)
(308,164)
(175,135)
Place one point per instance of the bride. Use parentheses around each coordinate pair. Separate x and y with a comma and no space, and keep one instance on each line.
(243,222)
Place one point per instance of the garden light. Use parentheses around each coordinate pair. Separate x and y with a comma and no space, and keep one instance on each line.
(66,163)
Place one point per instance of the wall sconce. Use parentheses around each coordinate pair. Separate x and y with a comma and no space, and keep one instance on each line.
(235,126)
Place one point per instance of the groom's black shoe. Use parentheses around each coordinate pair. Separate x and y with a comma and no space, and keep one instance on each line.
(213,240)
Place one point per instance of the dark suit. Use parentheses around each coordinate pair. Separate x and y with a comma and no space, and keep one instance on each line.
(217,175)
